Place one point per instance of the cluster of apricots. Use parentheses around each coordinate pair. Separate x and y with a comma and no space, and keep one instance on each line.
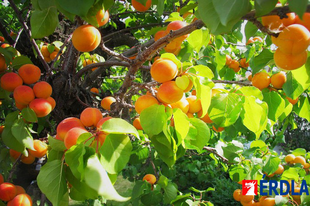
(175,45)
(39,152)
(28,90)
(49,56)
(234,64)
(14,195)
(140,7)
(262,80)
(255,39)
(90,121)
(89,61)
(249,199)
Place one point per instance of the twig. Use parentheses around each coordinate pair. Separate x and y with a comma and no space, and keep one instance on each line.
(233,82)
(213,150)
(13,168)
(115,54)
(5,34)
(21,30)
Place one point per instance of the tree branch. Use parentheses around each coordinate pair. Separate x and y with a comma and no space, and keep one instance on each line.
(213,150)
(233,82)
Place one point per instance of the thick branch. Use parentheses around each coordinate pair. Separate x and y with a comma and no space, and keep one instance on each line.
(233,82)
(213,150)
(5,34)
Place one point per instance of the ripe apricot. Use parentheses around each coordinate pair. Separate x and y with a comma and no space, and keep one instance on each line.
(278,79)
(102,17)
(44,51)
(90,117)
(10,81)
(299,159)
(42,89)
(40,149)
(72,136)
(250,77)
(305,20)
(7,191)
(159,35)
(237,195)
(53,55)
(289,61)
(150,178)
(2,39)
(23,94)
(279,170)
(101,135)
(246,198)
(205,118)
(137,124)
(176,25)
(244,63)
(228,60)
(5,45)
(169,92)
(29,73)
(140,7)
(106,102)
(20,190)
(3,65)
(144,102)
(65,125)
(273,22)
(296,190)
(289,158)
(101,121)
(27,160)
(194,104)
(1,179)
(41,107)
(94,90)
(234,65)
(52,102)
(14,154)
(293,39)
(182,104)
(219,129)
(86,38)
(164,70)
(189,87)
(21,200)
(261,80)
(269,201)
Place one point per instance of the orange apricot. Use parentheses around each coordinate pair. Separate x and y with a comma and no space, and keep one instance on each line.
(140,7)
(289,158)
(42,89)
(1,179)
(150,178)
(176,25)
(72,136)
(169,92)
(20,190)
(41,107)
(144,102)
(246,198)
(205,118)
(44,51)
(237,195)
(86,38)
(102,17)
(7,191)
(65,125)
(10,81)
(269,201)
(189,87)
(278,79)
(305,21)
(182,104)
(137,124)
(53,55)
(261,80)
(234,65)
(190,115)
(2,39)
(228,60)
(101,135)
(5,45)
(23,94)
(159,35)
(279,170)
(14,154)
(94,90)
(194,104)
(299,159)
(101,121)
(90,117)
(273,22)
(27,160)
(40,149)
(244,63)
(107,102)
(52,102)
(289,61)
(3,65)
(164,70)
(250,77)
(21,200)
(29,73)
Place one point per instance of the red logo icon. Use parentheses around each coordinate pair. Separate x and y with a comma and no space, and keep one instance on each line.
(249,187)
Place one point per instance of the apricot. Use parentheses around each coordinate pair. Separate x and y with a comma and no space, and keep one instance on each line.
(250,77)
(300,159)
(5,45)
(52,102)
(279,170)
(289,61)
(7,191)
(205,118)
(305,20)
(144,102)
(53,55)
(169,92)
(86,38)
(234,65)
(23,94)
(244,63)
(44,51)
(261,80)
(228,60)
(189,87)
(150,178)
(102,17)
(182,104)
(21,200)
(27,160)
(40,149)
(20,190)
(137,123)
(173,46)
(101,121)
(246,198)
(159,35)
(14,154)
(273,22)
(10,81)
(65,125)
(3,65)
(1,179)
(106,102)
(29,73)
(164,70)
(140,7)
(269,201)
(2,39)
(42,89)
(237,195)
(41,107)
(94,90)
(90,117)
(289,158)
(194,104)
(72,136)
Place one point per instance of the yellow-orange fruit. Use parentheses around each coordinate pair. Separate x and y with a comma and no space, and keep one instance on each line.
(289,158)
(52,102)
(296,197)
(300,159)
(176,25)
(140,7)
(20,190)
(243,63)
(144,102)
(21,200)
(279,170)
(7,191)
(2,39)
(234,65)
(305,20)
(94,90)
(102,17)
(27,160)
(289,61)
(250,77)
(173,46)
(86,38)
(53,55)
(29,73)
(246,198)
(42,89)
(294,39)
(169,92)
(72,136)
(44,51)
(269,201)
(40,149)
(292,101)
(3,65)
(194,104)
(237,195)
(14,154)
(150,178)
(41,107)
(101,135)
(205,118)
(182,104)
(101,121)
(228,60)
(65,125)
(90,117)
(164,70)
(137,124)
(23,94)
(106,102)
(261,80)
(159,35)
(273,22)
(10,81)
(278,79)
(189,87)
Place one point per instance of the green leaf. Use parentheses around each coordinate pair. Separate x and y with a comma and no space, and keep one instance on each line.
(160,7)
(258,143)
(250,30)
(237,173)
(153,126)
(299,7)
(231,150)
(11,118)
(115,151)
(170,193)
(198,138)
(263,7)
(271,164)
(77,7)
(29,115)
(203,71)
(56,144)
(198,38)
(203,93)
(181,124)
(299,152)
(225,109)
(51,181)
(140,188)
(173,58)
(97,178)
(276,105)
(304,109)
(22,134)
(261,60)
(43,23)
(251,91)
(152,198)
(20,61)
(10,141)
(291,174)
(119,126)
